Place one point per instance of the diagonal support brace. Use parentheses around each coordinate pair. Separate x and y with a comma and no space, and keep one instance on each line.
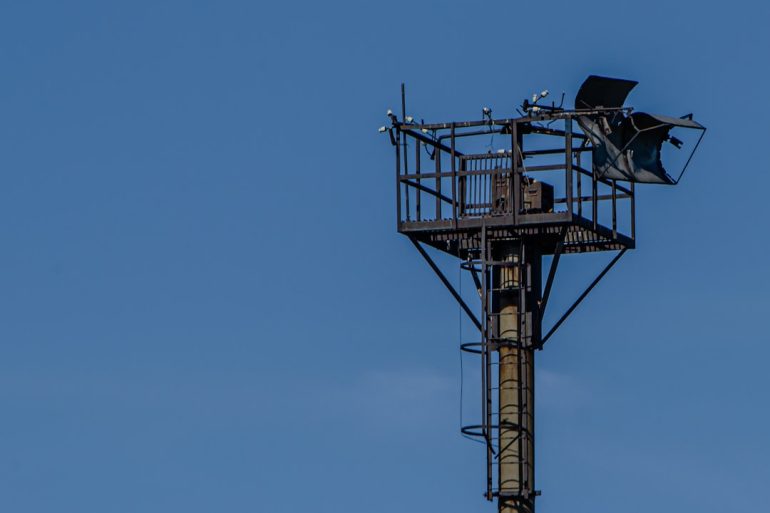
(552,271)
(446,283)
(581,298)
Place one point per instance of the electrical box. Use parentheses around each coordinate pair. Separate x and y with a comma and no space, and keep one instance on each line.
(538,197)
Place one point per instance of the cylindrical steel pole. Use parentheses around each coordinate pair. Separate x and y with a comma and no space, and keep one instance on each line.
(516,282)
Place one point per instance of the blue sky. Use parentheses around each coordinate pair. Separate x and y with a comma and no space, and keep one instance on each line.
(204,305)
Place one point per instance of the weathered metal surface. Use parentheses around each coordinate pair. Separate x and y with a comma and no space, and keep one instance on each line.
(627,146)
(516,295)
(501,211)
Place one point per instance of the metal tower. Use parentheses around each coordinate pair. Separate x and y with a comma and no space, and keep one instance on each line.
(552,187)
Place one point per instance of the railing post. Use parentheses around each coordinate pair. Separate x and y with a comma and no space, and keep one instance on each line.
(462,189)
(633,212)
(406,156)
(579,187)
(614,210)
(398,180)
(514,190)
(437,157)
(454,180)
(594,205)
(417,144)
(568,152)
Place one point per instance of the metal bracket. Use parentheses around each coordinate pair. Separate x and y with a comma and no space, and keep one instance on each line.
(552,270)
(581,298)
(446,283)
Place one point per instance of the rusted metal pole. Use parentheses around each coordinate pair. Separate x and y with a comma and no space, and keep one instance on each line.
(517,289)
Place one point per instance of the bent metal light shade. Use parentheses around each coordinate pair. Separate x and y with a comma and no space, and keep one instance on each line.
(627,146)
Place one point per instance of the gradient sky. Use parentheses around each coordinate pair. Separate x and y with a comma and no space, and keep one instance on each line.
(205,307)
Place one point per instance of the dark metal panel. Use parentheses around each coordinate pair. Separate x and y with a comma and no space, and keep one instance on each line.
(605,92)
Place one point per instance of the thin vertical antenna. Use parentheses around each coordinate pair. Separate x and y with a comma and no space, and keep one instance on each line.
(403,102)
(403,120)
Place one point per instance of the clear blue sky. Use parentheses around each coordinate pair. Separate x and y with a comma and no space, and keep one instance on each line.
(204,305)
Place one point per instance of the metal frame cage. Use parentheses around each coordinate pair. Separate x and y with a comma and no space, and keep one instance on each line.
(446,193)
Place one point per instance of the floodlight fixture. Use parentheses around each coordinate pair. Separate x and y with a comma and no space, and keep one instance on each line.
(626,144)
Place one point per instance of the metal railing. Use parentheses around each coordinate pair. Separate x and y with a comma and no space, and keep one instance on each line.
(444,180)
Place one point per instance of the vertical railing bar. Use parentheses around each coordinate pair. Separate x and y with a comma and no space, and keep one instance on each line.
(454,179)
(594,206)
(483,191)
(418,192)
(633,212)
(480,192)
(470,195)
(517,150)
(437,156)
(462,195)
(614,210)
(568,151)
(404,149)
(477,192)
(488,192)
(518,202)
(398,181)
(579,186)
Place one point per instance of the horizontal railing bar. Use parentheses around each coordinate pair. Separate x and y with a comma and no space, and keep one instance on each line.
(487,156)
(470,134)
(554,115)
(555,132)
(449,174)
(428,140)
(556,151)
(600,179)
(426,190)
(601,197)
(547,167)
